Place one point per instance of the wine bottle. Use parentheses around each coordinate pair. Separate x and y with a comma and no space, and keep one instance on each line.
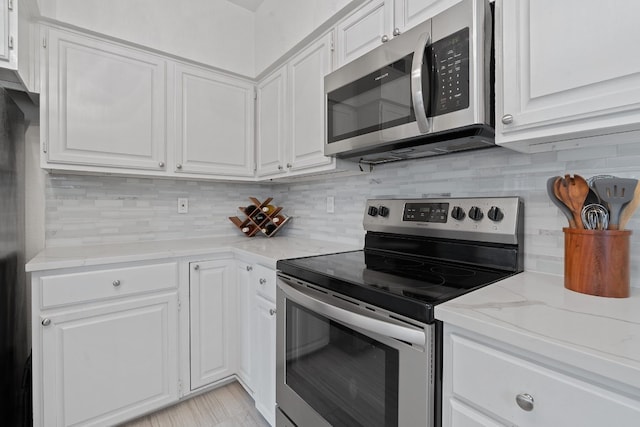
(250,209)
(269,228)
(278,219)
(268,209)
(259,218)
(247,229)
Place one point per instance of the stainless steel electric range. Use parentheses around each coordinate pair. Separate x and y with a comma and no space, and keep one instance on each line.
(357,342)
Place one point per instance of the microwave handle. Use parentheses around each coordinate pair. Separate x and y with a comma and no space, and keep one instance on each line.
(351,318)
(424,122)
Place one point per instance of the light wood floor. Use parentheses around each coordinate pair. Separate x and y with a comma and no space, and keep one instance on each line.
(227,406)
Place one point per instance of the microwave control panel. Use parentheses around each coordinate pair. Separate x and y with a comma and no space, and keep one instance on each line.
(450,69)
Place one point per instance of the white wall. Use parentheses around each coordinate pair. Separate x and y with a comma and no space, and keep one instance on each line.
(281,24)
(214,32)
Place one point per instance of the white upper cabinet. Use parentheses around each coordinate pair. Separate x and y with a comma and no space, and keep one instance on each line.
(214,123)
(271,137)
(364,30)
(379,21)
(409,13)
(306,102)
(104,104)
(7,32)
(566,70)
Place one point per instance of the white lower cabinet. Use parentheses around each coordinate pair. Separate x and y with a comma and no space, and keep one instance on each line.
(257,335)
(264,352)
(110,355)
(489,383)
(245,343)
(212,301)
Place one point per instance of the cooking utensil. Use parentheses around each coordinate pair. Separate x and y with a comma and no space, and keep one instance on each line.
(595,217)
(615,193)
(556,201)
(573,191)
(629,208)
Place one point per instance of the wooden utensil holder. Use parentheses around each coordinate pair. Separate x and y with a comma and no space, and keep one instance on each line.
(596,262)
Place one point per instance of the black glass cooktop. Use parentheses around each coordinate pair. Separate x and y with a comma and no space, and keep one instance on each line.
(403,284)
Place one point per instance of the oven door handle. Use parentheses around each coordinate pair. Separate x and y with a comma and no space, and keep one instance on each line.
(379,326)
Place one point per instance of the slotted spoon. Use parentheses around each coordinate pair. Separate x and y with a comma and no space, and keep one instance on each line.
(615,193)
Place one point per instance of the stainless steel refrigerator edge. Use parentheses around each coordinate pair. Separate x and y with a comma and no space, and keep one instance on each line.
(15,391)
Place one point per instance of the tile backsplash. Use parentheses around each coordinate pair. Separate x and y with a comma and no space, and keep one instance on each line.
(91,209)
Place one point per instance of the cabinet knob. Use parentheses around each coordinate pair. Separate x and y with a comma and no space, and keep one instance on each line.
(178,166)
(384,38)
(196,267)
(161,164)
(249,268)
(46,322)
(262,281)
(396,31)
(272,311)
(507,119)
(116,283)
(280,167)
(525,401)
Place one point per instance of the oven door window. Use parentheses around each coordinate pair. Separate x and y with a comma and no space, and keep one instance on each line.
(349,378)
(377,101)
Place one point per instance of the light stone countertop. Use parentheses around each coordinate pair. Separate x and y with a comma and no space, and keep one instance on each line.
(263,250)
(535,312)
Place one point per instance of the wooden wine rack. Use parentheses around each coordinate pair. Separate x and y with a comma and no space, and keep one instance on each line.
(256,227)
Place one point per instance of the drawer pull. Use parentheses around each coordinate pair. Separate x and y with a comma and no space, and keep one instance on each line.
(196,267)
(272,311)
(116,283)
(525,401)
(46,322)
(249,268)
(263,281)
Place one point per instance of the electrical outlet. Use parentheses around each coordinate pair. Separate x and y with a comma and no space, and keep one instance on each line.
(330,204)
(183,205)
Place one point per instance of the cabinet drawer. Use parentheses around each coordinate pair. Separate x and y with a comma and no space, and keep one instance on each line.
(93,285)
(266,279)
(492,380)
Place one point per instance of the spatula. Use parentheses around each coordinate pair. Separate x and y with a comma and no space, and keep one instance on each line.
(629,209)
(556,201)
(615,193)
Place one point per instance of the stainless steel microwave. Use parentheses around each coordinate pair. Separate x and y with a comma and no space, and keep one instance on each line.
(426,92)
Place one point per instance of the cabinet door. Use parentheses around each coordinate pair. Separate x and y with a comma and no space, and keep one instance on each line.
(271,125)
(558,77)
(366,29)
(104,104)
(265,359)
(246,292)
(4,33)
(409,13)
(306,93)
(109,363)
(212,320)
(214,123)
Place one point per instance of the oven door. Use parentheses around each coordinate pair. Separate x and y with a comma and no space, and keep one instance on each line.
(341,364)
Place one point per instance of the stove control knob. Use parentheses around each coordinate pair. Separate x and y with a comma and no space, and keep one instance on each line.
(475,213)
(457,213)
(373,211)
(495,214)
(383,211)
